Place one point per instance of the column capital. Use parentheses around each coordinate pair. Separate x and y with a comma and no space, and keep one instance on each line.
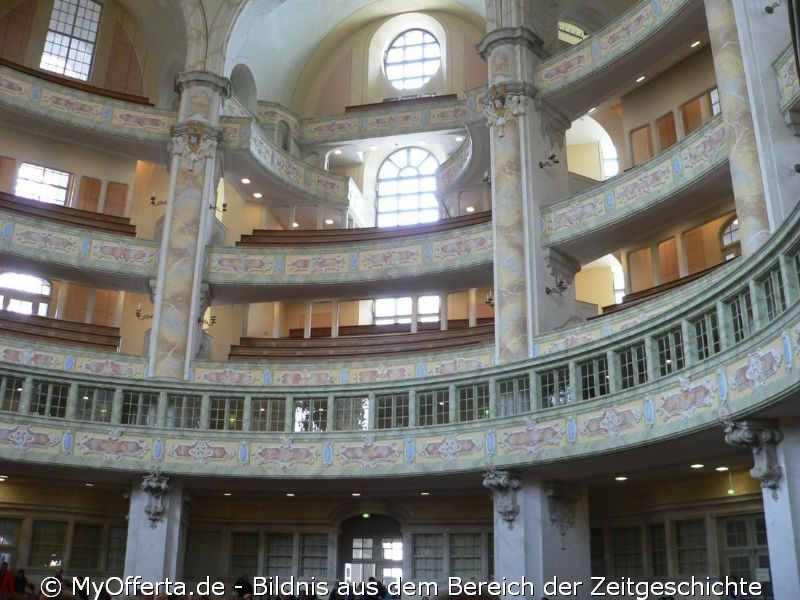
(503,103)
(511,36)
(219,84)
(156,486)
(504,484)
(194,141)
(762,437)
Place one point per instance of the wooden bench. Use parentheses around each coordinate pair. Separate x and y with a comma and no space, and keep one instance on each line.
(362,345)
(632,299)
(67,215)
(98,337)
(305,237)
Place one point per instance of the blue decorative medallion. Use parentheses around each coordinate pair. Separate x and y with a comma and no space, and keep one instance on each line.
(85,245)
(471,104)
(279,264)
(344,376)
(69,363)
(354,261)
(677,165)
(656,7)
(421,370)
(327,454)
(66,442)
(541,224)
(362,124)
(649,411)
(409,450)
(8,229)
(303,130)
(610,199)
(307,177)
(596,49)
(107,113)
(572,430)
(607,331)
(722,385)
(266,379)
(36,93)
(426,116)
(788,359)
(158,449)
(427,252)
(491,443)
(244,453)
(535,351)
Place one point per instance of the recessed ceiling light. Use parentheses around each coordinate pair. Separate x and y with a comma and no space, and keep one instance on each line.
(697,466)
(621,478)
(591,110)
(289,495)
(258,195)
(89,485)
(226,494)
(355,494)
(337,151)
(470,209)
(695,44)
(295,224)
(459,138)
(640,79)
(245,181)
(328,221)
(424,493)
(721,469)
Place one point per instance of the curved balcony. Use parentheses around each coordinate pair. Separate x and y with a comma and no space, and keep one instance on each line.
(748,369)
(598,220)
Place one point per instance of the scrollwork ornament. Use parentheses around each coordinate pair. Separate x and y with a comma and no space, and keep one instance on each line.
(762,437)
(500,106)
(194,142)
(156,486)
(504,485)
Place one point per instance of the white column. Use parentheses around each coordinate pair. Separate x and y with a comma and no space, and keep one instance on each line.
(541,534)
(155,533)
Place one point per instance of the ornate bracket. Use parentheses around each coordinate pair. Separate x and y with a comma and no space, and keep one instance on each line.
(156,485)
(762,437)
(194,141)
(504,485)
(561,502)
(500,105)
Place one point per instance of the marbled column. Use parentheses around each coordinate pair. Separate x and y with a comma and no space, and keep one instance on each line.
(748,186)
(180,299)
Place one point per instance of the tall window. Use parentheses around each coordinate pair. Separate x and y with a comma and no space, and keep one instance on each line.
(730,242)
(406,188)
(399,310)
(608,155)
(24,294)
(71,36)
(43,184)
(412,59)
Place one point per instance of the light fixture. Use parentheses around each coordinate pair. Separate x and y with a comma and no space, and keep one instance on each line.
(337,151)
(424,493)
(212,320)
(226,494)
(366,515)
(355,494)
(89,484)
(459,138)
(721,469)
(621,478)
(154,201)
(591,110)
(695,44)
(561,285)
(223,208)
(245,181)
(736,221)
(258,195)
(373,147)
(771,8)
(640,79)
(289,494)
(295,224)
(470,209)
(490,297)
(487,179)
(139,314)
(552,160)
(731,490)
(328,221)
(697,466)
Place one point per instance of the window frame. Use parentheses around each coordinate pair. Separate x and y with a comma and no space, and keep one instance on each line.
(71,32)
(406,63)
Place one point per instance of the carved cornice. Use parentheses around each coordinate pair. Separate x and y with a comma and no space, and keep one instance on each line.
(762,437)
(511,36)
(504,484)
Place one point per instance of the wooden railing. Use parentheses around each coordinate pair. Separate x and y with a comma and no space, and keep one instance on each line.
(388,344)
(98,337)
(407,102)
(345,330)
(66,215)
(75,84)
(288,237)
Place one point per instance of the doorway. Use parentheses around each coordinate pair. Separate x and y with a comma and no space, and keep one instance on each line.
(743,551)
(372,546)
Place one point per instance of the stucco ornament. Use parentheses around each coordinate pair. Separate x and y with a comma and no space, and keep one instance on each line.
(194,142)
(500,107)
(763,438)
(504,485)
(156,485)
(561,501)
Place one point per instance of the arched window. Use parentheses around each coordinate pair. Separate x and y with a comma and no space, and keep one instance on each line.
(24,294)
(731,246)
(412,59)
(406,190)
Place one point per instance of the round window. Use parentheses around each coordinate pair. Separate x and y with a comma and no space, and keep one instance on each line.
(412,59)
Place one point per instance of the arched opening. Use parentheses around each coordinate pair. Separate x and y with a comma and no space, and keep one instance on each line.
(282,135)
(24,294)
(590,150)
(243,87)
(406,190)
(371,546)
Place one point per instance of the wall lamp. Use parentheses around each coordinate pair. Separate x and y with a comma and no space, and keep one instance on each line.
(771,8)
(222,209)
(139,314)
(487,179)
(490,298)
(212,320)
(154,201)
(561,285)
(551,161)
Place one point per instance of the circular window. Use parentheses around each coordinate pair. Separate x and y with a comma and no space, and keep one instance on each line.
(407,188)
(412,59)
